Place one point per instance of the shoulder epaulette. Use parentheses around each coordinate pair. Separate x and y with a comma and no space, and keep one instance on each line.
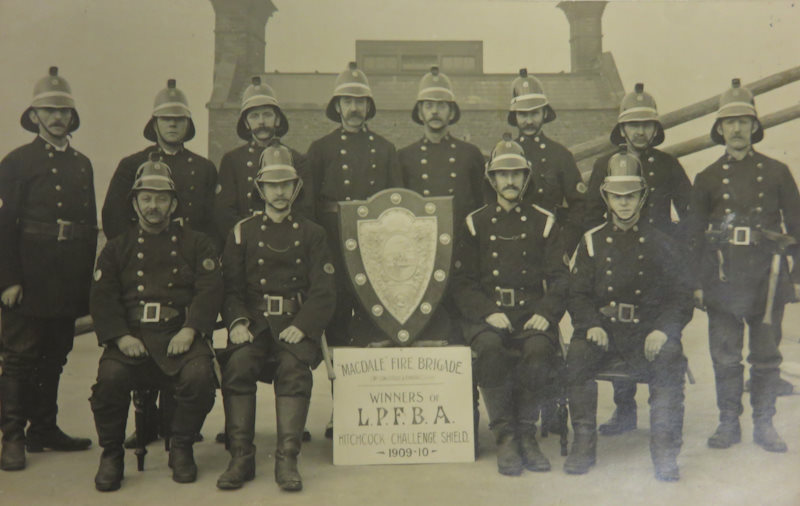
(588,238)
(237,229)
(551,219)
(471,223)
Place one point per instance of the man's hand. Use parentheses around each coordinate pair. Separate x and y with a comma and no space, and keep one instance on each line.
(598,336)
(292,335)
(699,303)
(537,322)
(131,346)
(500,321)
(653,343)
(12,296)
(181,342)
(240,334)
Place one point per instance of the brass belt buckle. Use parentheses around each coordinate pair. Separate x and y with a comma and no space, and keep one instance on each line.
(65,230)
(741,236)
(507,297)
(151,312)
(274,305)
(626,312)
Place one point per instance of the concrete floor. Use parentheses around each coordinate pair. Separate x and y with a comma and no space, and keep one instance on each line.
(743,475)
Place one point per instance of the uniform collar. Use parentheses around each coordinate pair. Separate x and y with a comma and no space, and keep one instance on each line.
(728,158)
(167,153)
(50,145)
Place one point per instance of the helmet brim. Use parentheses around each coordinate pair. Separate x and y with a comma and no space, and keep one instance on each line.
(618,139)
(333,115)
(151,135)
(30,126)
(757,136)
(417,118)
(243,131)
(549,114)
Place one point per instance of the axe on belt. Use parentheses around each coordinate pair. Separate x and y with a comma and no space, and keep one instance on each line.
(326,356)
(781,243)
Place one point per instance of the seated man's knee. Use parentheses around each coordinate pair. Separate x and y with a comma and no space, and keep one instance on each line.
(241,371)
(195,383)
(114,383)
(493,362)
(580,360)
(292,377)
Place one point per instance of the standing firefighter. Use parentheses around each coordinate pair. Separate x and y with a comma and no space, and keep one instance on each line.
(48,238)
(639,131)
(741,204)
(629,301)
(156,294)
(558,183)
(279,295)
(508,253)
(261,123)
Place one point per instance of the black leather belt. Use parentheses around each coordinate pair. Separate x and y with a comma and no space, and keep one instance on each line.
(277,305)
(621,312)
(329,206)
(62,230)
(153,312)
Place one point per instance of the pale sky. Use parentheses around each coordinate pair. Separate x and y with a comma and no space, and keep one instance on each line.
(117,54)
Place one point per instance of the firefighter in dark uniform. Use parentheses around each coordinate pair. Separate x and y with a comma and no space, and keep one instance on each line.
(195,181)
(279,296)
(558,182)
(629,299)
(195,177)
(740,205)
(350,163)
(639,130)
(156,294)
(48,232)
(509,252)
(261,123)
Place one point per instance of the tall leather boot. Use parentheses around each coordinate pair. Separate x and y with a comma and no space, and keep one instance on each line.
(666,430)
(110,424)
(730,386)
(12,423)
(583,408)
(762,398)
(624,418)
(291,415)
(499,404)
(181,458)
(44,433)
(527,412)
(240,422)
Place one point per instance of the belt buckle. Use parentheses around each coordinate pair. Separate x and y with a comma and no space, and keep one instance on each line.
(65,230)
(626,312)
(507,297)
(151,312)
(274,305)
(741,236)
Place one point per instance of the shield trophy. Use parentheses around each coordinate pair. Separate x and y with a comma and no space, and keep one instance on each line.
(397,248)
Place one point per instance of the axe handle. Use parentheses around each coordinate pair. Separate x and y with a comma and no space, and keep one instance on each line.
(326,356)
(774,270)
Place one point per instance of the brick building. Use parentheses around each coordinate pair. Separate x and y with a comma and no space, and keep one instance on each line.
(586,99)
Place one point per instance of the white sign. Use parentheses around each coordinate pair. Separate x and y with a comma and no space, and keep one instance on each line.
(402,405)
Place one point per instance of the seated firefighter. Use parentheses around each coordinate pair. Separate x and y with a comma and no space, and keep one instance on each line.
(279,296)
(629,300)
(156,294)
(510,250)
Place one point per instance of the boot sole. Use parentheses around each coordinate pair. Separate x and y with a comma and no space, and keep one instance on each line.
(773,449)
(291,487)
(13,467)
(233,485)
(723,445)
(538,469)
(42,449)
(108,487)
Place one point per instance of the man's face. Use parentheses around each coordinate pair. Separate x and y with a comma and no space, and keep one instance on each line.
(353,110)
(278,195)
(262,122)
(55,120)
(529,122)
(155,207)
(737,131)
(509,183)
(436,115)
(172,129)
(639,134)
(624,206)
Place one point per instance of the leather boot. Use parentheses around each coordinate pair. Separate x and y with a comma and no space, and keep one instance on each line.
(583,407)
(623,420)
(762,398)
(43,432)
(730,385)
(291,414)
(528,407)
(583,454)
(728,433)
(12,423)
(181,459)
(112,469)
(240,421)
(765,436)
(499,404)
(666,429)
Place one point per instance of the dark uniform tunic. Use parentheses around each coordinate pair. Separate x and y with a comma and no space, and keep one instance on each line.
(177,271)
(40,187)
(195,180)
(668,186)
(503,262)
(237,197)
(276,275)
(732,202)
(629,283)
(347,166)
(557,181)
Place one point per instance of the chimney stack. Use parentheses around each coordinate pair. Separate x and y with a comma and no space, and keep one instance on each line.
(585,33)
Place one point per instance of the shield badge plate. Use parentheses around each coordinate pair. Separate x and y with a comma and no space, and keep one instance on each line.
(397,247)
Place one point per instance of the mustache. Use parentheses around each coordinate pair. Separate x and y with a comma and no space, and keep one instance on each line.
(510,187)
(354,114)
(263,129)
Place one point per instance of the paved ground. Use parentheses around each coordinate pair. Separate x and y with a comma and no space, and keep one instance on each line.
(743,475)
